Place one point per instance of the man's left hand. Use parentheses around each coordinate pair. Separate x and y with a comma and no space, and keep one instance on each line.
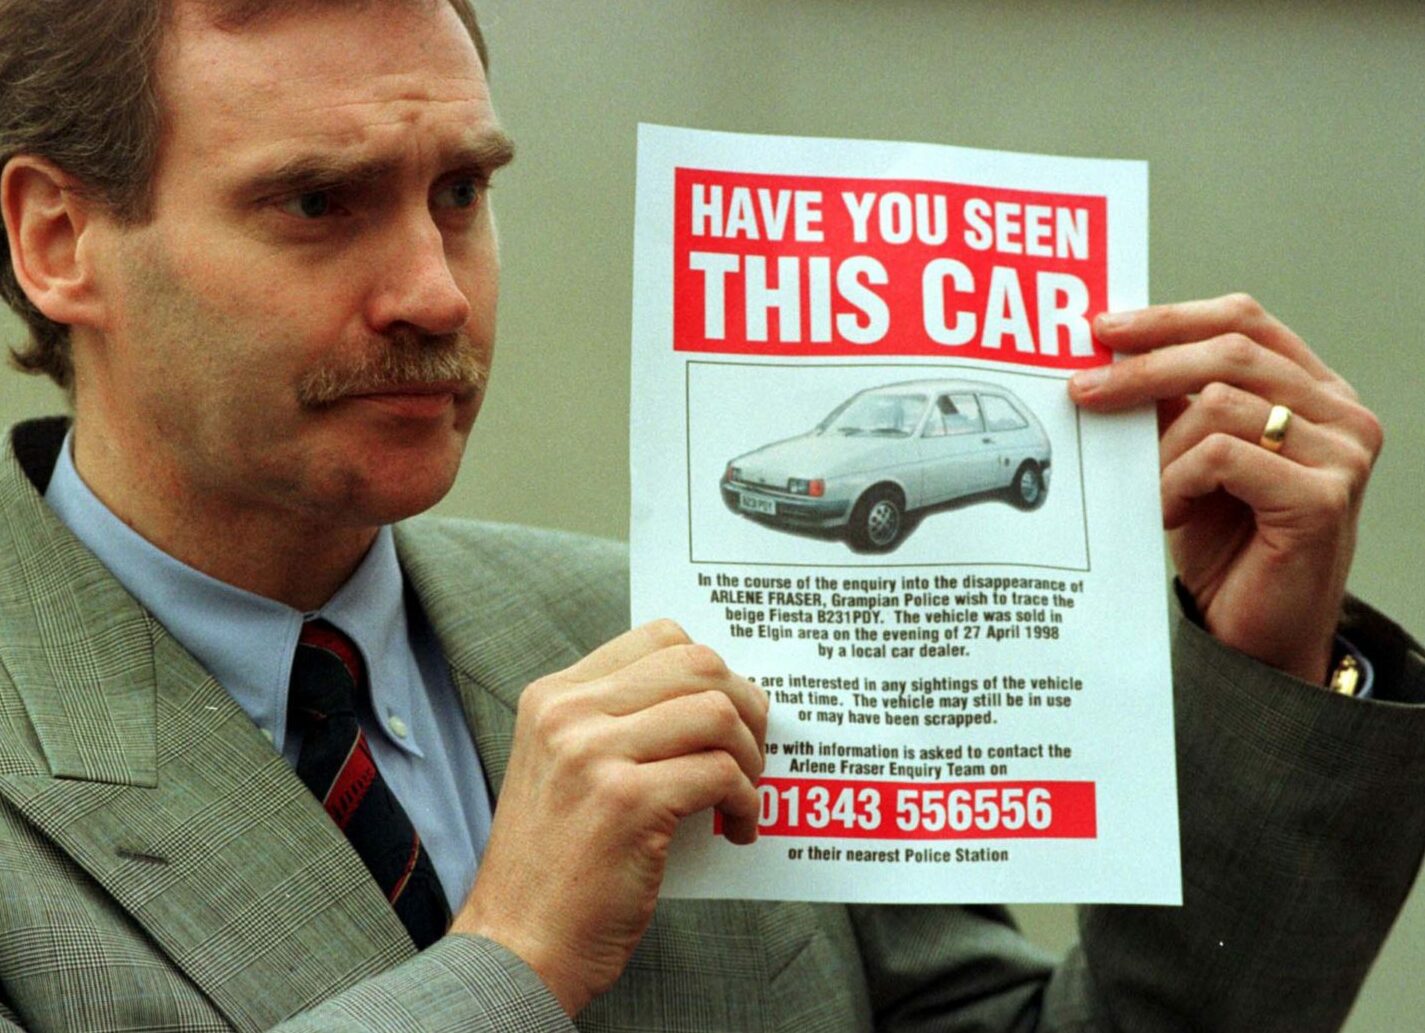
(1262,540)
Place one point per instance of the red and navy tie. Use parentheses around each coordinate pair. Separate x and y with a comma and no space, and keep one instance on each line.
(335,764)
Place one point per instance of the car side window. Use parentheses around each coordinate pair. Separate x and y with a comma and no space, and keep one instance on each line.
(1000,415)
(954,414)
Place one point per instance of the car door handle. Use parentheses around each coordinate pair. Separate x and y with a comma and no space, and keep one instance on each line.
(987,441)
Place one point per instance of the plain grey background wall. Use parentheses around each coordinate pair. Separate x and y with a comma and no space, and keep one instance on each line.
(1287,159)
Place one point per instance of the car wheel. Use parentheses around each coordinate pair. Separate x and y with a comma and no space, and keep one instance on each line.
(1027,490)
(878,522)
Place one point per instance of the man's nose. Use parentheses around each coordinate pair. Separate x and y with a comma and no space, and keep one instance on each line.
(415,285)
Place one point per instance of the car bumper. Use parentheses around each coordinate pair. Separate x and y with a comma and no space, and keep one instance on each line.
(779,508)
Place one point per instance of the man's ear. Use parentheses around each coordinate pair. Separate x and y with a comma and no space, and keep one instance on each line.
(46,217)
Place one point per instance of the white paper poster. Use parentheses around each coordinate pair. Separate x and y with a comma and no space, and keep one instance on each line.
(857,475)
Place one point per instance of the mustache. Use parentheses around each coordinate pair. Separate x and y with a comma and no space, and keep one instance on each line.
(403,358)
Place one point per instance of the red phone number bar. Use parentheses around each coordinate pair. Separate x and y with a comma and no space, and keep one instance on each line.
(846,809)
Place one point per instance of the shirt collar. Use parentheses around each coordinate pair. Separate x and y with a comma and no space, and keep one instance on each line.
(244,640)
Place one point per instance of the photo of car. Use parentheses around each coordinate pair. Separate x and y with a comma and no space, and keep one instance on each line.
(890,451)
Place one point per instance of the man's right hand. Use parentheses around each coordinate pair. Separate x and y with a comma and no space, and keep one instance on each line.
(609,755)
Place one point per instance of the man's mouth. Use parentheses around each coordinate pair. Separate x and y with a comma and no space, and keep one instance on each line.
(416,400)
(443,387)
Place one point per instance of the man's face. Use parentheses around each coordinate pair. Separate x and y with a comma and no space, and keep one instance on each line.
(303,326)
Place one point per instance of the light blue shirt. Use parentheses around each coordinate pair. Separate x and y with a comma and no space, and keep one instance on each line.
(413,720)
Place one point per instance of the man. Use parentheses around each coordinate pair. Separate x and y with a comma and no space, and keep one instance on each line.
(270,284)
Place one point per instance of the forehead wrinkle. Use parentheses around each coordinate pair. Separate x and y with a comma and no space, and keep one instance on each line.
(339,114)
(358,141)
(389,88)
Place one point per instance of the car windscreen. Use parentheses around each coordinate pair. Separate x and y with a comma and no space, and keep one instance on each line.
(883,415)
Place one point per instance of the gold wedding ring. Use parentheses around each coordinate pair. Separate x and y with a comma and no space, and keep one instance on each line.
(1274,433)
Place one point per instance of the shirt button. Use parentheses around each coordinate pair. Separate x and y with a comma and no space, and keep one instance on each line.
(397,726)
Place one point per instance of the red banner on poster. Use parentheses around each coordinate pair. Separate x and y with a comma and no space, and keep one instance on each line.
(817,266)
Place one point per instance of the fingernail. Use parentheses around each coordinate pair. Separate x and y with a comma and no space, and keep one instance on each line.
(1110,321)
(1089,380)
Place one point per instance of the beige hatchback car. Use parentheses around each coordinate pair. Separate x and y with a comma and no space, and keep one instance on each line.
(890,451)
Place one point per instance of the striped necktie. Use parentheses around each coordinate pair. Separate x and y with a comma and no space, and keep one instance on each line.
(335,764)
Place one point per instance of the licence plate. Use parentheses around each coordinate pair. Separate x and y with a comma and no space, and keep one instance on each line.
(755,505)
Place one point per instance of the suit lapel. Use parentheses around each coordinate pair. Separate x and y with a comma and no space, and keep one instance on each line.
(131,759)
(76,645)
(494,638)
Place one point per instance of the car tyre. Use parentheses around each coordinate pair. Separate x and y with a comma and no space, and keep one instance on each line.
(878,521)
(1027,490)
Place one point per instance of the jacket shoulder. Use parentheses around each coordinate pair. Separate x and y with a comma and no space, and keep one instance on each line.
(578,581)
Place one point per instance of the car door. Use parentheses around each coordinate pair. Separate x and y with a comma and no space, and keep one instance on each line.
(1006,436)
(954,460)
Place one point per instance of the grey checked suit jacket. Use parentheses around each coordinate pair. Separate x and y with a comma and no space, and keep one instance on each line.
(161,868)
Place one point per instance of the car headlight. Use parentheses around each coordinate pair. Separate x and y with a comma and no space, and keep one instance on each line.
(815,488)
(732,473)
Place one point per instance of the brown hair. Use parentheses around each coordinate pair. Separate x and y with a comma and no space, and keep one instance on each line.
(77,88)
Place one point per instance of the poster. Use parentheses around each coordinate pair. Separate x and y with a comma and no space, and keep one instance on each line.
(858,476)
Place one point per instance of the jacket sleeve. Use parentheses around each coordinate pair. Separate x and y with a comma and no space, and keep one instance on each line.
(462,983)
(1301,831)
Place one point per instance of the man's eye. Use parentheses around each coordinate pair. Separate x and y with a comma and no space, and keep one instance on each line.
(312,205)
(460,193)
